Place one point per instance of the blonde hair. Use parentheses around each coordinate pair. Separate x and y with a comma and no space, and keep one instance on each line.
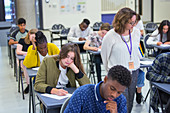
(32,31)
(105,26)
(121,19)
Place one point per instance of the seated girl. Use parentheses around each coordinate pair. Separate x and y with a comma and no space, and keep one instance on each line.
(61,71)
(160,35)
(94,43)
(37,51)
(22,47)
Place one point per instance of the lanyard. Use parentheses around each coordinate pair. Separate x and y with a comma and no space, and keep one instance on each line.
(129,50)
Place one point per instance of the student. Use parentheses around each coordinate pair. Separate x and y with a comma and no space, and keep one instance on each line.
(103,97)
(37,51)
(19,33)
(159,72)
(160,35)
(139,24)
(22,47)
(94,43)
(141,78)
(120,47)
(79,32)
(61,71)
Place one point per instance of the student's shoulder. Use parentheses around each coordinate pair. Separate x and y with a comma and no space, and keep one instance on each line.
(51,45)
(14,33)
(85,89)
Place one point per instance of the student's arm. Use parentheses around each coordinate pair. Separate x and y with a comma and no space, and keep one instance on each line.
(76,102)
(87,47)
(154,38)
(32,58)
(154,72)
(19,50)
(168,43)
(71,35)
(11,42)
(81,78)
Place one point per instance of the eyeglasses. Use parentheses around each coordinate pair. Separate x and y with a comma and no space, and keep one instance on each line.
(132,23)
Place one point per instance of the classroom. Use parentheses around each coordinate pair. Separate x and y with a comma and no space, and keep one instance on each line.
(85,56)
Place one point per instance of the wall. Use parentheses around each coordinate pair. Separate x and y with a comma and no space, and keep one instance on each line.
(146,10)
(52,15)
(161,10)
(26,9)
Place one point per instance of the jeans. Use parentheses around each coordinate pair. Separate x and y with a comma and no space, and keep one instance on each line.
(141,78)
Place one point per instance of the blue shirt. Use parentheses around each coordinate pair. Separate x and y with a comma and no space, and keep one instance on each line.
(87,99)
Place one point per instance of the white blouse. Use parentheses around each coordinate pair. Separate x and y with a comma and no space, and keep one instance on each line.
(115,52)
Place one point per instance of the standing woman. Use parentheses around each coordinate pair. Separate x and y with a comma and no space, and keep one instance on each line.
(120,47)
(61,71)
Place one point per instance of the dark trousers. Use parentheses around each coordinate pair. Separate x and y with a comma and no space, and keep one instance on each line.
(98,61)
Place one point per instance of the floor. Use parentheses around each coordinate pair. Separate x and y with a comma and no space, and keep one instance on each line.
(11,101)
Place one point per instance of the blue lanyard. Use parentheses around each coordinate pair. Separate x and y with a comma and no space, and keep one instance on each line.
(129,50)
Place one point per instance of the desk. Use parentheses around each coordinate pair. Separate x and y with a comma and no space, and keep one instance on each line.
(20,57)
(57,31)
(162,47)
(31,73)
(50,103)
(165,88)
(13,47)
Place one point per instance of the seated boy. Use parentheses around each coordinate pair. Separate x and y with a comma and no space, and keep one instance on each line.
(104,97)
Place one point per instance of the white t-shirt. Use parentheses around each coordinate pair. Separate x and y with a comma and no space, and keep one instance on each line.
(63,79)
(42,57)
(140,25)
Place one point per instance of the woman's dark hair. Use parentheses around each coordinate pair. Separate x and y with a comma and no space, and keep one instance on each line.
(160,28)
(40,38)
(72,47)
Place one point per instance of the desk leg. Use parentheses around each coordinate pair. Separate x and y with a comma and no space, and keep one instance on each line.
(15,65)
(31,96)
(92,68)
(160,101)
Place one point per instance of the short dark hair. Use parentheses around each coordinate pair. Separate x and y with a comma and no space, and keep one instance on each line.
(21,21)
(86,21)
(40,38)
(120,74)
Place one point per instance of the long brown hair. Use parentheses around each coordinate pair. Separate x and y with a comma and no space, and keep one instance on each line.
(72,47)
(32,31)
(121,19)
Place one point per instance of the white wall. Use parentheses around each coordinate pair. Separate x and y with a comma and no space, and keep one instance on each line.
(161,10)
(146,8)
(52,15)
(26,9)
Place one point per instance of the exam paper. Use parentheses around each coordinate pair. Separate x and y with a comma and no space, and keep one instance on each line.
(35,68)
(56,96)
(146,62)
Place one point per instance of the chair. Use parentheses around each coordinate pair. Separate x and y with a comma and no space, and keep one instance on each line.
(63,34)
(96,26)
(149,48)
(63,107)
(150,27)
(56,29)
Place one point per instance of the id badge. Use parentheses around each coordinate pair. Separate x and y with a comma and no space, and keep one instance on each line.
(131,65)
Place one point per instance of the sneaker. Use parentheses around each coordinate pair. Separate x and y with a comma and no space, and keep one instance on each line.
(138,97)
(26,89)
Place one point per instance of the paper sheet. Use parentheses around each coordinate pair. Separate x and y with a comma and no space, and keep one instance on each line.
(56,96)
(146,62)
(99,49)
(165,45)
(36,68)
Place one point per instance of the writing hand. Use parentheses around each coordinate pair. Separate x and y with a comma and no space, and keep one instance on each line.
(59,92)
(159,43)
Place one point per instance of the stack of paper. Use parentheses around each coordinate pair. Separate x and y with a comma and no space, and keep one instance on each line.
(56,96)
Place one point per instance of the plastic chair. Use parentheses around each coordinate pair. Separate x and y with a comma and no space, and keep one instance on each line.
(149,48)
(96,26)
(63,107)
(150,27)
(56,29)
(63,34)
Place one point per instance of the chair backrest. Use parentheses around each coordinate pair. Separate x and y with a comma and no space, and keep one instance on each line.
(65,31)
(146,45)
(58,27)
(150,27)
(96,26)
(63,107)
